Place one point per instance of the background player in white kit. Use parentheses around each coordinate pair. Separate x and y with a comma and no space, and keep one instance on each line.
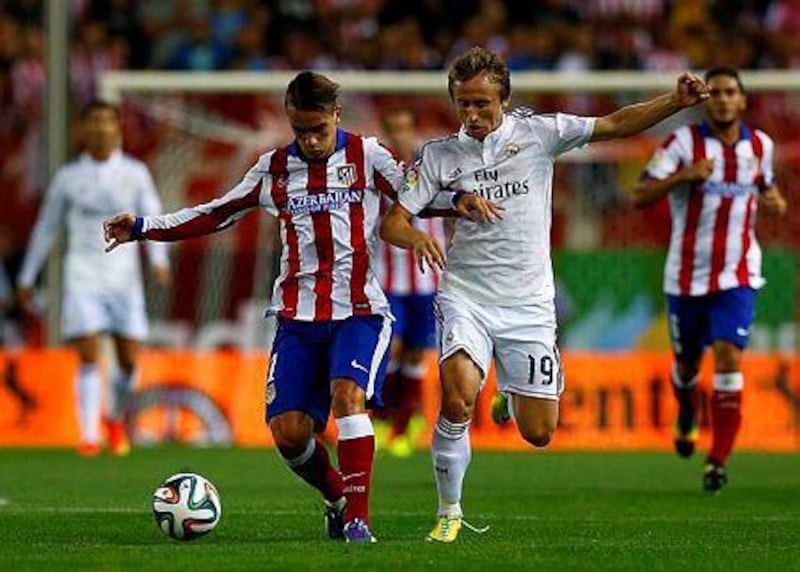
(717,173)
(410,292)
(496,297)
(101,293)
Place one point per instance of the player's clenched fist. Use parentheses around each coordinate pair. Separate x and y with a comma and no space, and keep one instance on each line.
(118,230)
(690,90)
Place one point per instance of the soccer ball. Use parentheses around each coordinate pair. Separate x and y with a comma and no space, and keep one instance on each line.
(186,506)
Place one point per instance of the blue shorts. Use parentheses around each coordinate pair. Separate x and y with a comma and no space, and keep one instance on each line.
(306,356)
(697,321)
(414,321)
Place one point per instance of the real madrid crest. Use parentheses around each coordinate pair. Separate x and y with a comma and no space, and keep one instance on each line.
(511,149)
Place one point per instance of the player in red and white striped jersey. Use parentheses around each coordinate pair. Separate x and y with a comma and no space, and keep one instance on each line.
(333,320)
(410,292)
(716,174)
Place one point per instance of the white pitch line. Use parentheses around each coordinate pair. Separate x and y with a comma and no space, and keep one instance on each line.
(405,514)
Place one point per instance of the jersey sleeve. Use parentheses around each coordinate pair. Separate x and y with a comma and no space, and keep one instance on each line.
(252,191)
(767,176)
(387,170)
(420,185)
(150,205)
(666,161)
(44,232)
(570,131)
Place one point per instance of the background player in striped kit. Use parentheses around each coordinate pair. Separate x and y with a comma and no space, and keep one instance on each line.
(334,327)
(410,292)
(496,297)
(101,293)
(717,174)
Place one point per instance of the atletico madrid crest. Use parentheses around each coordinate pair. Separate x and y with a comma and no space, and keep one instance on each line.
(347,174)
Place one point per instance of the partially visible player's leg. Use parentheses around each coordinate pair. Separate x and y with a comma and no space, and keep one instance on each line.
(730,316)
(298,403)
(465,349)
(689,334)
(358,355)
(536,418)
(83,317)
(529,369)
(89,393)
(128,315)
(461,381)
(418,336)
(127,351)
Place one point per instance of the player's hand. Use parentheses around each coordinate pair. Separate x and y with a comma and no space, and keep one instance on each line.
(699,170)
(478,209)
(118,230)
(690,90)
(772,202)
(427,252)
(162,275)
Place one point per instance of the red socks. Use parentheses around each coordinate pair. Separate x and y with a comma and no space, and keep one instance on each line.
(726,418)
(314,467)
(356,454)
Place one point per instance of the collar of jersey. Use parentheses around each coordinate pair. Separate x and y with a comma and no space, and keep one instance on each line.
(744,131)
(502,133)
(341,143)
(116,154)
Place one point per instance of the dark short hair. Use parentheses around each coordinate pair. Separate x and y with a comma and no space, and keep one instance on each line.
(727,71)
(476,61)
(311,91)
(99,104)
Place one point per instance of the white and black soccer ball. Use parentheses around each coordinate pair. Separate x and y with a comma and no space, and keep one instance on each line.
(186,506)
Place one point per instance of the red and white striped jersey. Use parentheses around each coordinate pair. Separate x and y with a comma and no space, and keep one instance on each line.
(398,271)
(328,211)
(713,244)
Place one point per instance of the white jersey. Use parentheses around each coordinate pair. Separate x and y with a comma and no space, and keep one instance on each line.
(82,195)
(713,244)
(328,212)
(508,262)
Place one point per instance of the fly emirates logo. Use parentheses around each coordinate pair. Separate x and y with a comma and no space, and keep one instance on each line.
(489,185)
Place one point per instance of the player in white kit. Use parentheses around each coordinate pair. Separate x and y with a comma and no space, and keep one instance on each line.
(411,294)
(101,293)
(496,296)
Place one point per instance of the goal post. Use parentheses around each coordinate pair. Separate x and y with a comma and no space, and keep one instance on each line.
(199,132)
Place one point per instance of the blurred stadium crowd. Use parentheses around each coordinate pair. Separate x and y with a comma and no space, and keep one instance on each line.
(262,35)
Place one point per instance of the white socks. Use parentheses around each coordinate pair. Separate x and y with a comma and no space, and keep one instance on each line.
(89,403)
(451,453)
(121,388)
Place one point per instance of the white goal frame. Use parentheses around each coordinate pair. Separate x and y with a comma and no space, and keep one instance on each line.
(111,85)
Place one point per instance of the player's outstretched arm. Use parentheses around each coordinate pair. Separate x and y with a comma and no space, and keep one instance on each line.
(689,90)
(396,229)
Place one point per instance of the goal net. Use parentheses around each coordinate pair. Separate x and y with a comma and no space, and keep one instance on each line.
(199,132)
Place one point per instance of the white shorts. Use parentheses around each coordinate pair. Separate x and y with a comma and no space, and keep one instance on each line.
(86,313)
(522,340)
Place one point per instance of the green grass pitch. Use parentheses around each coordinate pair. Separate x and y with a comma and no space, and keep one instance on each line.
(547,511)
